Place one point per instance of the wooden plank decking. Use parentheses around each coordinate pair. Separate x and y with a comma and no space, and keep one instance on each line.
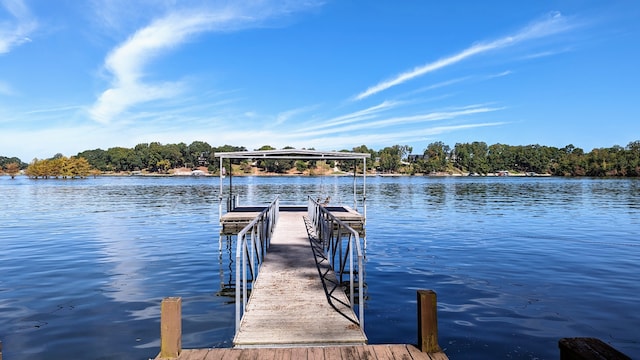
(289,304)
(370,352)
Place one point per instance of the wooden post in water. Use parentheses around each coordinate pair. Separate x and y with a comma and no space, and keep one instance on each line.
(170,327)
(428,322)
(0,350)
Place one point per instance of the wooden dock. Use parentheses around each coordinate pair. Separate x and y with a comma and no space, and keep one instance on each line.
(297,309)
(369,352)
(291,303)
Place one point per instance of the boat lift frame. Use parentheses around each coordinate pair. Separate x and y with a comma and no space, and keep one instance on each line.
(296,154)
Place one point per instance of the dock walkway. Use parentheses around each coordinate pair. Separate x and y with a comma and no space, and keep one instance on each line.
(294,301)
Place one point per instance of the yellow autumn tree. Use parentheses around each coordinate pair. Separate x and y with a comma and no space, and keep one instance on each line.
(12,169)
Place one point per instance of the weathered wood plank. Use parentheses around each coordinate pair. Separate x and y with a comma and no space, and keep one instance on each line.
(588,349)
(345,352)
(221,354)
(366,352)
(283,354)
(289,304)
(400,352)
(193,354)
(382,352)
(315,353)
(332,353)
(349,352)
(298,353)
(438,356)
(257,354)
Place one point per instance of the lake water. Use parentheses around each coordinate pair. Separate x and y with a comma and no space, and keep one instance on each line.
(517,263)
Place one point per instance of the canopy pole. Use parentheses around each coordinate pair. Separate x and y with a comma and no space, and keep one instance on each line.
(231,202)
(364,190)
(355,198)
(220,192)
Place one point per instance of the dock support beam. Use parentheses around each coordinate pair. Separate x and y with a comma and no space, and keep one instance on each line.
(170,328)
(428,322)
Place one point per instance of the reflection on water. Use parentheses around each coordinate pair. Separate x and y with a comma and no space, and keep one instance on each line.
(517,263)
(227,267)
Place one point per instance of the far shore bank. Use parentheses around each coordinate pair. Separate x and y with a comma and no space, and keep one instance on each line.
(268,174)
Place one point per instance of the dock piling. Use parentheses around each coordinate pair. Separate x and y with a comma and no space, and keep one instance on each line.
(170,328)
(428,322)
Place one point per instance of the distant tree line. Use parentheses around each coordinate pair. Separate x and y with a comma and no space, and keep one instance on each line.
(475,157)
(156,157)
(479,158)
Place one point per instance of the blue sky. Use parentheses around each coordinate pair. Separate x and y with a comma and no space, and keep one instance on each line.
(80,75)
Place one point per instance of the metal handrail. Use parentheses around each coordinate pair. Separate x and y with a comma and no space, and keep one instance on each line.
(252,244)
(330,231)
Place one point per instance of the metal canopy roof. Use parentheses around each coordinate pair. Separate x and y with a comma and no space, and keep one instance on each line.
(292,154)
(297,154)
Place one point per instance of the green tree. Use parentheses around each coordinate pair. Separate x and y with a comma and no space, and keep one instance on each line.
(173,154)
(365,150)
(436,157)
(163,166)
(119,159)
(632,154)
(268,165)
(200,154)
(391,157)
(500,157)
(472,157)
(97,158)
(301,165)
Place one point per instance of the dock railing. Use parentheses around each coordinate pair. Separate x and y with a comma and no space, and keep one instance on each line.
(252,244)
(331,232)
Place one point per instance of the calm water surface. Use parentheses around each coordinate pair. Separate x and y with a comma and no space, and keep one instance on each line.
(517,263)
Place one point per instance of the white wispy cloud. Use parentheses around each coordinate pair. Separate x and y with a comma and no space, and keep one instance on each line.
(127,62)
(553,24)
(347,140)
(547,53)
(499,75)
(54,109)
(16,31)
(356,116)
(394,122)
(285,116)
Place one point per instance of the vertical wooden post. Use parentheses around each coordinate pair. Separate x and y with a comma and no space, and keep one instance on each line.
(170,327)
(0,350)
(428,321)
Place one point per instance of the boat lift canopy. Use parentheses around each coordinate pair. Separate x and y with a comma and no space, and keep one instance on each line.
(298,154)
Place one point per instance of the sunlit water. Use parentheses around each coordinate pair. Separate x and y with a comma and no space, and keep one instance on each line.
(517,263)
